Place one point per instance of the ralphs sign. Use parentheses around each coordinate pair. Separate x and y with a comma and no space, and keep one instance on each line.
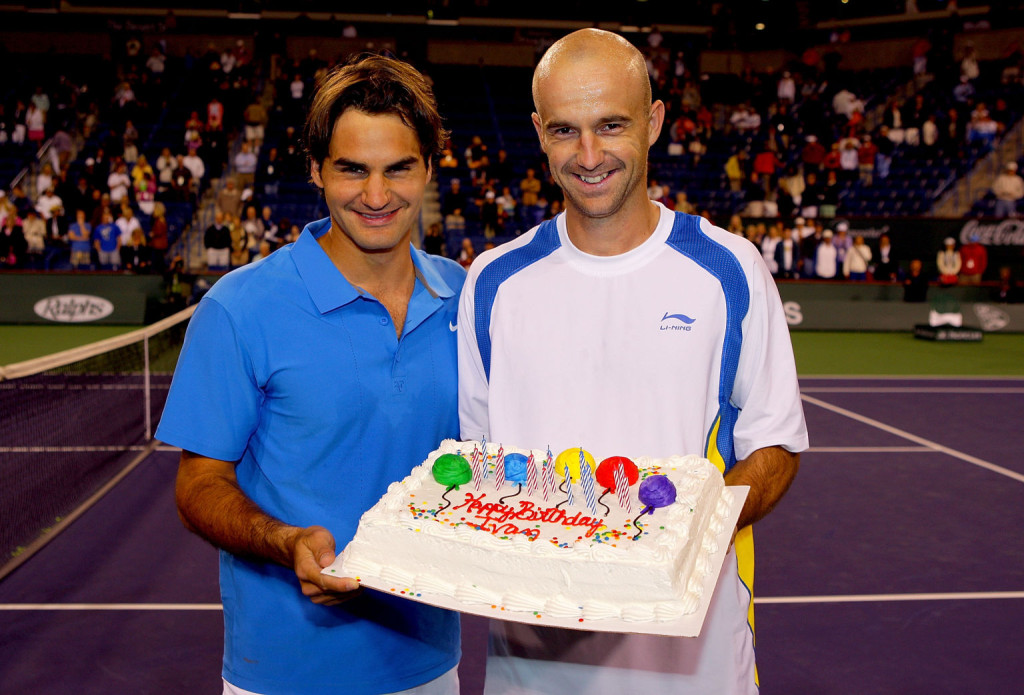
(73,308)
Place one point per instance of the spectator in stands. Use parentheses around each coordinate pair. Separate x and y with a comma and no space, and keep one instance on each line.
(812,198)
(448,160)
(787,258)
(158,236)
(454,198)
(217,240)
(245,166)
(35,124)
(196,167)
(229,199)
(489,215)
(736,170)
(434,240)
(866,156)
(107,242)
(981,128)
(255,117)
(812,155)
(884,148)
(825,259)
(47,203)
(766,164)
(214,115)
(974,259)
(849,160)
(915,284)
(809,249)
(252,225)
(507,205)
(949,263)
(930,133)
(271,230)
(500,170)
(181,182)
(785,89)
(80,238)
(119,183)
(12,244)
(1008,189)
(829,196)
(136,256)
(239,241)
(466,253)
(1008,290)
(33,228)
(745,120)
(529,188)
(145,193)
(270,173)
(165,164)
(885,269)
(127,223)
(857,260)
(45,177)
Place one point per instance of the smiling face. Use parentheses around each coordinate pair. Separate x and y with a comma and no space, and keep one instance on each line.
(596,123)
(373,181)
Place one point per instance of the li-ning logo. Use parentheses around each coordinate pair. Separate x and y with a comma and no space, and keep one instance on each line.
(685,322)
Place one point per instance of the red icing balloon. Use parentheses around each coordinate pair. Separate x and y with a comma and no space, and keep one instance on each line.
(606,472)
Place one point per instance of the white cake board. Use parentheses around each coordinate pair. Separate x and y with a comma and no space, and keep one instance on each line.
(686,626)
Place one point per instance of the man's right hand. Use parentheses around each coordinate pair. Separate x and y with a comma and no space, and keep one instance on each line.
(313,550)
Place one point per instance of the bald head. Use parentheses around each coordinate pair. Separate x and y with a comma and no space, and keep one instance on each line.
(592,47)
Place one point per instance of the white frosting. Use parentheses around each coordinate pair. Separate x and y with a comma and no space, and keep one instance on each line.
(478,550)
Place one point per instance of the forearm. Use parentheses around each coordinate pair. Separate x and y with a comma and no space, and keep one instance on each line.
(769,473)
(212,505)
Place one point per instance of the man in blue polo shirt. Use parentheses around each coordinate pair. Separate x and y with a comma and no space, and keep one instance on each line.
(308,382)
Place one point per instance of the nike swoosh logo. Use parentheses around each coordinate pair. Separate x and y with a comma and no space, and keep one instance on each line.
(452,327)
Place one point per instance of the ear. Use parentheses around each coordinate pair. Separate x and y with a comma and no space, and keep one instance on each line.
(655,122)
(539,127)
(314,172)
(430,170)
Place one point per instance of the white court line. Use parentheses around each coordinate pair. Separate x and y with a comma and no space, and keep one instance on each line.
(774,600)
(869,598)
(871,450)
(910,389)
(111,607)
(935,446)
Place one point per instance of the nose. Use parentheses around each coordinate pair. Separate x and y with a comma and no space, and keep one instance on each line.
(376,194)
(589,155)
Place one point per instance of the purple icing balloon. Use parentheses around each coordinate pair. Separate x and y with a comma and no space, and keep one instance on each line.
(657,491)
(515,468)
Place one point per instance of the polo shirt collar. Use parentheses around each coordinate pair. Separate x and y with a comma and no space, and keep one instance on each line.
(329,289)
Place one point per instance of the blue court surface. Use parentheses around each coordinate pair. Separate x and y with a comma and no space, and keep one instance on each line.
(895,565)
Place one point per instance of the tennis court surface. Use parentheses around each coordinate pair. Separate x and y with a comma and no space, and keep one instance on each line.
(894,565)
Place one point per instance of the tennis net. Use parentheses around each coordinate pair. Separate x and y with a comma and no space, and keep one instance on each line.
(74,423)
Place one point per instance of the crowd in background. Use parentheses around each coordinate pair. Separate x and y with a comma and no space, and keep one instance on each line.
(795,139)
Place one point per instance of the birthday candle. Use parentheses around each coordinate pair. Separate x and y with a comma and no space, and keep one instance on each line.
(499,468)
(549,476)
(474,463)
(483,461)
(587,481)
(622,488)
(531,476)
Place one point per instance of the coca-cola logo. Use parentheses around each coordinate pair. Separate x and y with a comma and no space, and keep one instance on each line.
(73,308)
(1009,232)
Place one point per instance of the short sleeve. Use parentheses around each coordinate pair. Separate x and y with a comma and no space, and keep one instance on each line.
(213,405)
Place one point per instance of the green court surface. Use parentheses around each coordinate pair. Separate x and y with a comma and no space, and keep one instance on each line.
(25,342)
(817,353)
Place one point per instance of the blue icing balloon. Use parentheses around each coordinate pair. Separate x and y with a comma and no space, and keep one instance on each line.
(657,491)
(515,468)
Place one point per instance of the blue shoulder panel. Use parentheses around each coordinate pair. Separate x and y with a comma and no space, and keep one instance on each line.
(687,238)
(544,242)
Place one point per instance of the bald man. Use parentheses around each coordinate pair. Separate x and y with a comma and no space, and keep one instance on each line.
(573,334)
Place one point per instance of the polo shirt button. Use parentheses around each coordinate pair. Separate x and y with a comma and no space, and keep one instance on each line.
(383,320)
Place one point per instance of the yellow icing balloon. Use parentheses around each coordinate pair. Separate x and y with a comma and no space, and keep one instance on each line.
(570,458)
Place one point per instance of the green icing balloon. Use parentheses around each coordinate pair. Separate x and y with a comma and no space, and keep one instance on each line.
(451,470)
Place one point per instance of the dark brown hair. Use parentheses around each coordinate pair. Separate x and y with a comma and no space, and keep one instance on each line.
(374,84)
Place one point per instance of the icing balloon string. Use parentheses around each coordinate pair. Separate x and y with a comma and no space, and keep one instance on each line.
(519,488)
(447,502)
(600,501)
(638,525)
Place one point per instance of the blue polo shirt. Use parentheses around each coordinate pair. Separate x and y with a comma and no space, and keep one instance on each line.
(298,376)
